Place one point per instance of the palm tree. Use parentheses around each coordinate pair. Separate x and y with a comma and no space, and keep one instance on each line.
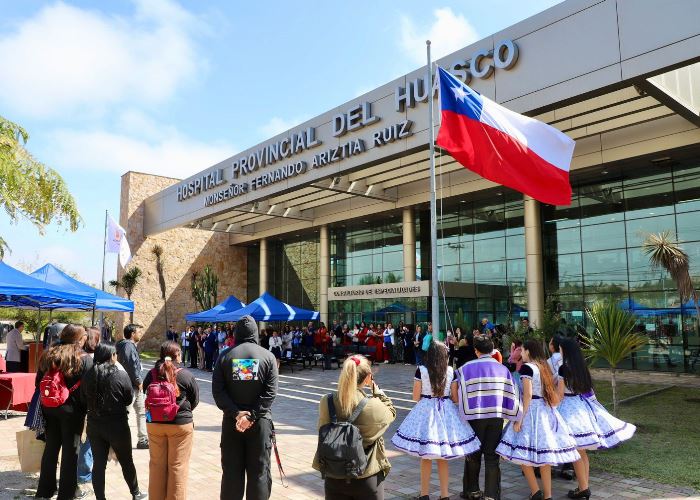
(130,279)
(205,288)
(613,339)
(157,250)
(30,189)
(665,252)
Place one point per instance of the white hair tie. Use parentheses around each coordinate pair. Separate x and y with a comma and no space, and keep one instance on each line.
(167,358)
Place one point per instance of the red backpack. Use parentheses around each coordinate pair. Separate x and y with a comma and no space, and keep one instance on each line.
(53,389)
(161,399)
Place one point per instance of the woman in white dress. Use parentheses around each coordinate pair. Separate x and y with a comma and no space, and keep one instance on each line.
(542,438)
(433,430)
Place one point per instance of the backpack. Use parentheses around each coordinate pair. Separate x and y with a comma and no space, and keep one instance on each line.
(161,399)
(340,451)
(53,389)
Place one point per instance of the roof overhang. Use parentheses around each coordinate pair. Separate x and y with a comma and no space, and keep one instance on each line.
(594,88)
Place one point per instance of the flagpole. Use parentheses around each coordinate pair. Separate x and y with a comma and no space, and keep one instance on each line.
(434,298)
(104,256)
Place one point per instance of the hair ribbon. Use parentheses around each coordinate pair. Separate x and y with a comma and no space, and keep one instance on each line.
(356,360)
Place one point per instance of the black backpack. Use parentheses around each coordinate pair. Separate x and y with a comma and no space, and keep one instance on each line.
(340,451)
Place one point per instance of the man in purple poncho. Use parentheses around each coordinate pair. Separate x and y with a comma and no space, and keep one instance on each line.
(487,395)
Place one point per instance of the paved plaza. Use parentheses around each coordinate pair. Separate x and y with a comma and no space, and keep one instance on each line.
(295,415)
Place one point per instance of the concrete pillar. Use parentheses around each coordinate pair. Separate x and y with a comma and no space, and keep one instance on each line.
(409,245)
(262,271)
(533,261)
(324,273)
(262,275)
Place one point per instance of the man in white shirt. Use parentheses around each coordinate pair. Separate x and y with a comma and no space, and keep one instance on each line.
(15,344)
(389,343)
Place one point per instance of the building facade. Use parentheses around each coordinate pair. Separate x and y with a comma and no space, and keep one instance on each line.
(333,214)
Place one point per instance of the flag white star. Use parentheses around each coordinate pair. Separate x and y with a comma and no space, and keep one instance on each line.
(460,93)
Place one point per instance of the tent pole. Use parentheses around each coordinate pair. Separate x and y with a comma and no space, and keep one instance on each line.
(104,255)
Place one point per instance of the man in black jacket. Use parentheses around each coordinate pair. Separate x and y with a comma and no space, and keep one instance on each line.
(244,386)
(128,357)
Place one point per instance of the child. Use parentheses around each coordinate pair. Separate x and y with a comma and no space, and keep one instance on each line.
(433,430)
(591,425)
(542,438)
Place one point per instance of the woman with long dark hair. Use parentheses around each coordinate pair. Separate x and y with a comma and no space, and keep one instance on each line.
(171,440)
(542,438)
(107,393)
(64,423)
(590,423)
(433,430)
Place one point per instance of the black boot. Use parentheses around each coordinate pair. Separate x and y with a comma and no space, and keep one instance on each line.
(579,493)
(537,496)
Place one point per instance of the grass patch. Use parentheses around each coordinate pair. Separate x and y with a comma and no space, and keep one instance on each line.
(603,391)
(150,355)
(664,448)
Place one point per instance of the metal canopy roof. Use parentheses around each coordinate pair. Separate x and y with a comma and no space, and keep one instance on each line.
(400,182)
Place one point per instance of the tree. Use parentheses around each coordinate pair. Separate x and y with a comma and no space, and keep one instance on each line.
(130,280)
(664,252)
(28,188)
(205,288)
(613,338)
(157,250)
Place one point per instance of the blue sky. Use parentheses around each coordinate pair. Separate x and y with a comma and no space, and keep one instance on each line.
(171,87)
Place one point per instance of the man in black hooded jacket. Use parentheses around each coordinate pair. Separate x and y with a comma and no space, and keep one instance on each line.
(244,386)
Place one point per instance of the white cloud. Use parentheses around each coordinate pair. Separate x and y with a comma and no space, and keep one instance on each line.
(171,154)
(277,125)
(448,33)
(66,59)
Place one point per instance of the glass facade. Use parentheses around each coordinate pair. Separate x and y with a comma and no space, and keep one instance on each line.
(364,253)
(292,271)
(593,251)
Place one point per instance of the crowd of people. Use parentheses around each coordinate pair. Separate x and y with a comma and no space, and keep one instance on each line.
(463,388)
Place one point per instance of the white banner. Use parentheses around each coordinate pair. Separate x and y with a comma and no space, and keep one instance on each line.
(116,241)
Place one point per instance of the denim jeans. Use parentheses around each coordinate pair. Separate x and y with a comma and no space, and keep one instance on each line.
(85,462)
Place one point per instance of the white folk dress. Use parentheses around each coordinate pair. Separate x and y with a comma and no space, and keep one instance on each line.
(544,438)
(433,429)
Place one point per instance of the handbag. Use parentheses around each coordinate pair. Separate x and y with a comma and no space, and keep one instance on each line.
(29,450)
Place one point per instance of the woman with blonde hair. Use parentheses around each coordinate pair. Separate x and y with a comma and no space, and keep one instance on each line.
(375,412)
(61,369)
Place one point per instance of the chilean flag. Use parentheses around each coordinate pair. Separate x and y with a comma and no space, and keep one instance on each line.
(502,146)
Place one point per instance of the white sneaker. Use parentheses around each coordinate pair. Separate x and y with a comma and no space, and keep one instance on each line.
(385,362)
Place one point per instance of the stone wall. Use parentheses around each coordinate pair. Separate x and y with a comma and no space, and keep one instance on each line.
(184,252)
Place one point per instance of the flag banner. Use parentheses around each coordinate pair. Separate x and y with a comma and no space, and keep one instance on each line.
(503,146)
(116,241)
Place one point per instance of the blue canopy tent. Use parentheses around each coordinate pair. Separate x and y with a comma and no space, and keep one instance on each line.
(21,290)
(231,304)
(268,308)
(396,307)
(104,301)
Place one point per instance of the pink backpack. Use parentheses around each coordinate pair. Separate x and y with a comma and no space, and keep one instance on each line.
(53,389)
(161,399)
